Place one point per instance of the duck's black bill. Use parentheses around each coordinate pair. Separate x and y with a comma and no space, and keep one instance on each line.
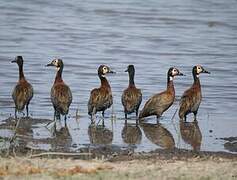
(49,65)
(112,72)
(205,71)
(126,70)
(181,74)
(14,61)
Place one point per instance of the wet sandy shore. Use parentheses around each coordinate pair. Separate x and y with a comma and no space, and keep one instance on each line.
(158,164)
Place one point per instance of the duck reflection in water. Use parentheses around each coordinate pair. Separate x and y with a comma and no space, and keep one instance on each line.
(131,134)
(191,134)
(158,135)
(99,134)
(62,139)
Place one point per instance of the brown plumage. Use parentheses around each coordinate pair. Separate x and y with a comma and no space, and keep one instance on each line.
(158,135)
(101,98)
(191,134)
(132,96)
(192,97)
(23,91)
(61,96)
(159,103)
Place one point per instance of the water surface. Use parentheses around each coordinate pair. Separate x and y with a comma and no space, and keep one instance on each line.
(152,35)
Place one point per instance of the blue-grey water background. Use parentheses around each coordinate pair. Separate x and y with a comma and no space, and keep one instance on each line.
(153,35)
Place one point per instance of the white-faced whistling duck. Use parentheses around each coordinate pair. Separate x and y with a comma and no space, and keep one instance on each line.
(192,97)
(23,91)
(61,95)
(101,98)
(160,102)
(131,97)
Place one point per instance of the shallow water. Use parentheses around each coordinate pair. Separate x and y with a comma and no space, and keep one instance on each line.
(152,35)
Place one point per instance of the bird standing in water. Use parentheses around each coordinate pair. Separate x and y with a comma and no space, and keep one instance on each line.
(23,91)
(192,97)
(132,96)
(160,102)
(101,98)
(61,95)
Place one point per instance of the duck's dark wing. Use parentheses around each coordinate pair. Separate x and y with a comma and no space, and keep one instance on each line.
(156,105)
(22,94)
(94,97)
(186,102)
(131,99)
(61,97)
(100,99)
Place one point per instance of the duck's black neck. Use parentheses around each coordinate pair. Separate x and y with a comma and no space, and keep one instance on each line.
(131,79)
(21,73)
(58,77)
(104,82)
(170,83)
(196,78)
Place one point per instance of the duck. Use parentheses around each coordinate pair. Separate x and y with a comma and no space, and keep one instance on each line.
(132,96)
(160,102)
(101,98)
(192,97)
(23,92)
(61,95)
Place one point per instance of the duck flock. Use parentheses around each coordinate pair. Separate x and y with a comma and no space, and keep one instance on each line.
(101,98)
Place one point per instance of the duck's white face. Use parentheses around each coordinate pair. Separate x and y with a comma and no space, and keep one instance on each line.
(175,72)
(56,64)
(199,69)
(105,70)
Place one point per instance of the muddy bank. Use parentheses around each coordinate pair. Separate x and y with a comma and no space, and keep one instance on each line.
(155,165)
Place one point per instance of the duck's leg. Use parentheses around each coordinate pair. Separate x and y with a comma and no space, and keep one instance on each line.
(27,110)
(93,115)
(54,116)
(126,115)
(195,115)
(137,112)
(15,113)
(58,117)
(103,115)
(65,120)
(157,119)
